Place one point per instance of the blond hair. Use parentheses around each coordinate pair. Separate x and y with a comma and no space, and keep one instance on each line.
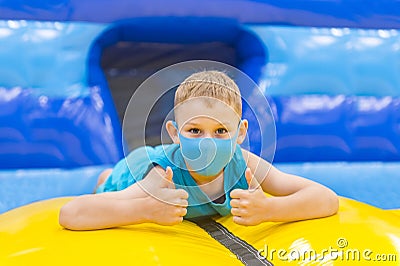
(213,84)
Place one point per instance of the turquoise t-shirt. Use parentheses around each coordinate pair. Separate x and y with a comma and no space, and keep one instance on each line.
(141,161)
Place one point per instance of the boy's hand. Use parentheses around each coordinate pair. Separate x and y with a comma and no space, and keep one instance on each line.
(249,207)
(166,205)
(166,178)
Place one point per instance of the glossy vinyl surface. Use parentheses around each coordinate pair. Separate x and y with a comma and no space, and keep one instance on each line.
(336,128)
(355,236)
(38,131)
(334,13)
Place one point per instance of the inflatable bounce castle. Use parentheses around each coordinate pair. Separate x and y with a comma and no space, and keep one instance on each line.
(330,71)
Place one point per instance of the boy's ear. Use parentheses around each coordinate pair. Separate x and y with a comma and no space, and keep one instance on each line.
(242,131)
(172,131)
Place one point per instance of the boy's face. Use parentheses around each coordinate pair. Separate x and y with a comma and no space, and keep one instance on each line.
(205,117)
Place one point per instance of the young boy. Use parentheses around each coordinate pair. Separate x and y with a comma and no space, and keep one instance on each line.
(204,172)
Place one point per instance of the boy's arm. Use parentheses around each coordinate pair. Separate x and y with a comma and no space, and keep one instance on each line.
(89,212)
(295,198)
(164,205)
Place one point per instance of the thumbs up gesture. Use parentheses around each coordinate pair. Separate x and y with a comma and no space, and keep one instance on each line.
(249,206)
(166,178)
(252,181)
(166,205)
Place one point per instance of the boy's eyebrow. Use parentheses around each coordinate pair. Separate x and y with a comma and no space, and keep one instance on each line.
(196,124)
(191,124)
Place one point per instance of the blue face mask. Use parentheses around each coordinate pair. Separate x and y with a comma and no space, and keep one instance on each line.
(207,156)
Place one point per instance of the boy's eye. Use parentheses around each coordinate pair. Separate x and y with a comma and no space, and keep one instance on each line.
(194,130)
(221,131)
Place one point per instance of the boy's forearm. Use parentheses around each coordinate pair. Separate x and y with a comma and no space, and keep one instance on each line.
(310,202)
(91,212)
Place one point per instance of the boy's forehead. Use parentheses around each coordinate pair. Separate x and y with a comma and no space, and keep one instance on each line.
(205,107)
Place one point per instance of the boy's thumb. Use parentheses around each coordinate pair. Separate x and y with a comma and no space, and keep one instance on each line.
(168,178)
(251,180)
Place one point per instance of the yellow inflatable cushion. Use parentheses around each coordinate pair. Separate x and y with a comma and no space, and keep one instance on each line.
(397,211)
(358,234)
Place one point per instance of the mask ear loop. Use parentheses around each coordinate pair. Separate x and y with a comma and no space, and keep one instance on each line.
(175,125)
(240,123)
(238,129)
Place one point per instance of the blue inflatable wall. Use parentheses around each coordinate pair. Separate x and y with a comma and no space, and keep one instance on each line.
(329,70)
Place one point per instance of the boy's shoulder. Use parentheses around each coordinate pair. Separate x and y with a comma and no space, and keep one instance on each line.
(164,149)
(154,150)
(163,154)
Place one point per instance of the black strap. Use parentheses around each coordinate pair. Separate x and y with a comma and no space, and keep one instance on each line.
(245,252)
